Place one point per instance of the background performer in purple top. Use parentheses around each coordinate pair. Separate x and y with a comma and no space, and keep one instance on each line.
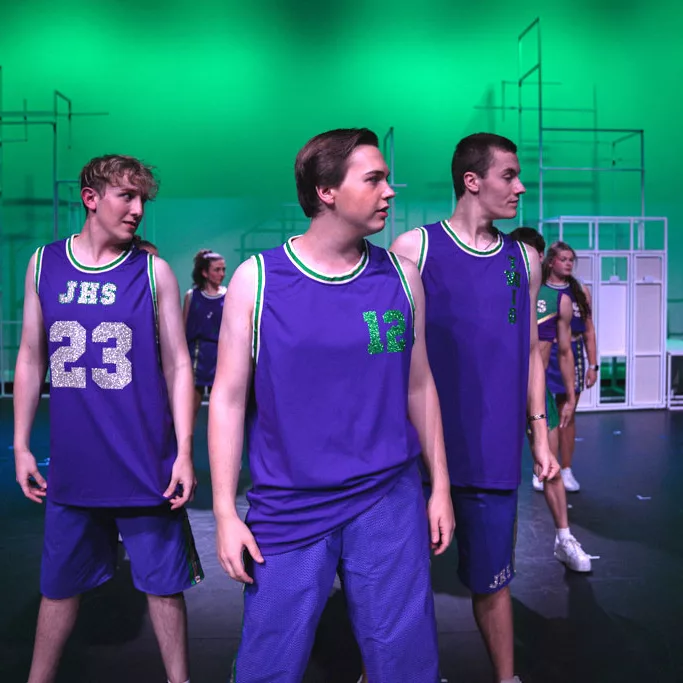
(558,267)
(328,330)
(482,342)
(202,313)
(105,316)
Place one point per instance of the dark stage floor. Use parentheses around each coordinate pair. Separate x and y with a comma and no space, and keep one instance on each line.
(622,623)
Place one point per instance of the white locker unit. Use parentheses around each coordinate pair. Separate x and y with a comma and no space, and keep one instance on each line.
(622,262)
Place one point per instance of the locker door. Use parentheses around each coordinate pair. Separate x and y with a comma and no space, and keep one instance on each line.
(648,331)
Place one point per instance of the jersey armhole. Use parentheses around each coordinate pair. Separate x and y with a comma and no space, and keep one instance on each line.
(424,245)
(151,276)
(38,268)
(406,288)
(523,248)
(258,306)
(152,280)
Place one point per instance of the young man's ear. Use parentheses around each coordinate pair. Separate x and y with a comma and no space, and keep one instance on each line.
(471,181)
(89,198)
(326,195)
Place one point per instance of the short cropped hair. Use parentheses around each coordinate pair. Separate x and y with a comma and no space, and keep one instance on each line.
(323,162)
(113,169)
(529,236)
(475,154)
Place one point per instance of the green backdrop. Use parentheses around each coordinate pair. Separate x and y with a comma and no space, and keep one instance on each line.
(220,95)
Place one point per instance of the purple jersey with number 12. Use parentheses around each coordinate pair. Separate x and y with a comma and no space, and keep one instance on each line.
(112,441)
(329,434)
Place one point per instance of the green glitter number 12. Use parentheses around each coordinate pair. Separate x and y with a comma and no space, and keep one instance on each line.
(395,333)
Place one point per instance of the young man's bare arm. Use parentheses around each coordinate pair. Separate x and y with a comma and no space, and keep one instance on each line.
(546,465)
(408,245)
(29,376)
(425,414)
(565,357)
(177,368)
(591,345)
(227,410)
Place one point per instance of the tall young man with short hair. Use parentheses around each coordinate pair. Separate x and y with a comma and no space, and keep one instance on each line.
(104,316)
(327,335)
(482,343)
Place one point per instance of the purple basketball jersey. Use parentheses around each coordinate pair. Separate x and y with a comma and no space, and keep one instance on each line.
(112,441)
(328,427)
(477,318)
(202,331)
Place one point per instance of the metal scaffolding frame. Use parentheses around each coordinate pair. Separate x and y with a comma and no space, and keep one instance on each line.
(532,75)
(62,112)
(290,218)
(645,368)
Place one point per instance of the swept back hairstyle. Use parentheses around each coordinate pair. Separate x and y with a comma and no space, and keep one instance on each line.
(577,290)
(113,169)
(529,236)
(323,162)
(475,154)
(202,261)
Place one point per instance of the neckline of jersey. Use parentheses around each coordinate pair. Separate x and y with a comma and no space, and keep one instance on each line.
(93,269)
(212,297)
(340,279)
(471,250)
(557,287)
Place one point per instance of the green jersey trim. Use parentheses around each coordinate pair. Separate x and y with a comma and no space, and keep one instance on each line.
(153,286)
(258,306)
(93,269)
(38,267)
(406,287)
(471,250)
(525,254)
(341,279)
(424,246)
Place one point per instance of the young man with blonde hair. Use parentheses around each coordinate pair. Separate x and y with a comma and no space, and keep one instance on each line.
(104,317)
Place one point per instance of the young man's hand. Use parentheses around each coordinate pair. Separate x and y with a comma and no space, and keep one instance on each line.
(29,477)
(232,539)
(183,483)
(441,520)
(546,466)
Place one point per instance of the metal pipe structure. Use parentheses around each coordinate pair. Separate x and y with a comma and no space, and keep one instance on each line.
(26,117)
(57,96)
(521,81)
(626,134)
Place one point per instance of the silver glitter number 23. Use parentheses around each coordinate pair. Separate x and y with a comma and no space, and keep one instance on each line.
(114,355)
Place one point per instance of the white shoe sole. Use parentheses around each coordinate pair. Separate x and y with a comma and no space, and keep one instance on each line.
(585,568)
